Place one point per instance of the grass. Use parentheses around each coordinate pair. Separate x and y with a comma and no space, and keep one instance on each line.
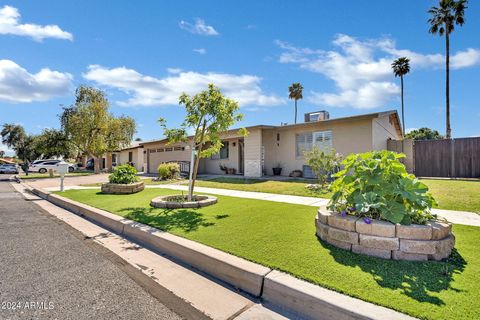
(463,195)
(282,236)
(55,175)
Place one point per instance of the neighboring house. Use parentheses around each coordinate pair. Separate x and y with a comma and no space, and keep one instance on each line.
(267,146)
(133,154)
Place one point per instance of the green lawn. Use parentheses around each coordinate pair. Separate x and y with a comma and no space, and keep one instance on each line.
(282,236)
(463,195)
(55,175)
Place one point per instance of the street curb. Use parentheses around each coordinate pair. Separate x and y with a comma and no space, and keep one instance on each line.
(276,288)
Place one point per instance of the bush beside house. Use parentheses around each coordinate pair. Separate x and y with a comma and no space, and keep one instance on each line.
(123,180)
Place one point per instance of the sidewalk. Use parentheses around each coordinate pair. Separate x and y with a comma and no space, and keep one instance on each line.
(457,217)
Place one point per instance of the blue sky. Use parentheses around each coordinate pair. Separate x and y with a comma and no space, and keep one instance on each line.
(143,54)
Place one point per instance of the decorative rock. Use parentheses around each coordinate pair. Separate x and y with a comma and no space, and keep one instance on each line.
(433,241)
(383,243)
(418,246)
(414,231)
(440,229)
(380,253)
(339,244)
(322,229)
(444,248)
(345,223)
(376,228)
(323,214)
(166,202)
(400,255)
(116,188)
(342,235)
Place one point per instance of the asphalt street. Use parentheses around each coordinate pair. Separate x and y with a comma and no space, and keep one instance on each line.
(49,272)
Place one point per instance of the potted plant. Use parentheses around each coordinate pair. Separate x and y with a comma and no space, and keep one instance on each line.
(231,171)
(277,170)
(223,168)
(123,180)
(385,210)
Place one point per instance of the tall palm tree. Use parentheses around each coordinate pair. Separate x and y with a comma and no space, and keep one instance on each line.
(295,90)
(442,21)
(400,68)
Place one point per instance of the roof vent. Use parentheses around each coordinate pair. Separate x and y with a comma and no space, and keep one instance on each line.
(317,116)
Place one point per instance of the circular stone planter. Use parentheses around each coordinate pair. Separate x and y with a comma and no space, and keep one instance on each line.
(432,241)
(169,202)
(116,188)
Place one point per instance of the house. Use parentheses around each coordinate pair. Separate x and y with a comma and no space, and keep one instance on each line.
(267,146)
(133,154)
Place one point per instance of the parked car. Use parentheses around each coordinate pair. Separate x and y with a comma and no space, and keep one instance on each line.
(8,168)
(42,166)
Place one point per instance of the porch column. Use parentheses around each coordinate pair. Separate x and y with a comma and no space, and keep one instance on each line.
(253,153)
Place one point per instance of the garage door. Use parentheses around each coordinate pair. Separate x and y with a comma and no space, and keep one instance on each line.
(158,156)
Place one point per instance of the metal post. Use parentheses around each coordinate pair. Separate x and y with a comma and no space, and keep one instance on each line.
(61,182)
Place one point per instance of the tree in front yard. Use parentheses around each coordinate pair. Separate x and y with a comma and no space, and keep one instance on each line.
(400,68)
(208,114)
(442,21)
(424,134)
(295,93)
(90,127)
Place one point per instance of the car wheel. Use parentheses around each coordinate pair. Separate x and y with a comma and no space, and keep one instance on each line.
(71,169)
(43,170)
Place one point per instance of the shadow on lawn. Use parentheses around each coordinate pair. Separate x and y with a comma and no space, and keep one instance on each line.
(240,180)
(184,219)
(414,279)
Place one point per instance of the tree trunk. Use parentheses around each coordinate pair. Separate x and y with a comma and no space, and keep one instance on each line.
(97,164)
(447,83)
(403,110)
(295,111)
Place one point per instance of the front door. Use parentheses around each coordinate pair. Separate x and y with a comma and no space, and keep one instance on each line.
(240,157)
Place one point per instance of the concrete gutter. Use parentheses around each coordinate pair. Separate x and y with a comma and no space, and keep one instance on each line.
(277,289)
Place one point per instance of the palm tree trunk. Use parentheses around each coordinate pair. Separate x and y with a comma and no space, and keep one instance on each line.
(295,111)
(403,110)
(447,84)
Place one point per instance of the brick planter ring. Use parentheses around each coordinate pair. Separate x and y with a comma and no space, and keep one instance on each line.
(432,241)
(115,188)
(166,202)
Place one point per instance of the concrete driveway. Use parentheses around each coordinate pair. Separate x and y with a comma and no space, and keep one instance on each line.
(69,181)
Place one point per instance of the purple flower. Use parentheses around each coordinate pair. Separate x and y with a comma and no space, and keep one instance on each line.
(352,209)
(343,213)
(367,220)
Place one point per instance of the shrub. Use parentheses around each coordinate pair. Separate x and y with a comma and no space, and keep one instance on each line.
(168,171)
(124,174)
(376,185)
(323,164)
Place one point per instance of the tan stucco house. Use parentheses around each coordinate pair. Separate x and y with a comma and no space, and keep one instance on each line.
(266,146)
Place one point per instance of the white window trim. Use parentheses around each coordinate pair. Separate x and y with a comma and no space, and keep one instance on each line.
(314,134)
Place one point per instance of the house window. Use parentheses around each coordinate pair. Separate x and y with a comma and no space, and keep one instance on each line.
(177,148)
(130,156)
(223,153)
(306,141)
(152,150)
(168,149)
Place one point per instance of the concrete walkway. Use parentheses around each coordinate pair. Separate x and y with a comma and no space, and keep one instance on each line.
(457,217)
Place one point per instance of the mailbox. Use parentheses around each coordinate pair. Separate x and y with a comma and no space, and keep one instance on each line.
(62,168)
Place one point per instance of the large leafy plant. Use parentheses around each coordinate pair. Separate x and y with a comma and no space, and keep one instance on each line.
(376,185)
(124,174)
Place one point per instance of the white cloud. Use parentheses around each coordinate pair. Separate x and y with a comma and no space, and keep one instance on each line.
(199,27)
(18,85)
(200,50)
(361,69)
(10,24)
(149,91)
